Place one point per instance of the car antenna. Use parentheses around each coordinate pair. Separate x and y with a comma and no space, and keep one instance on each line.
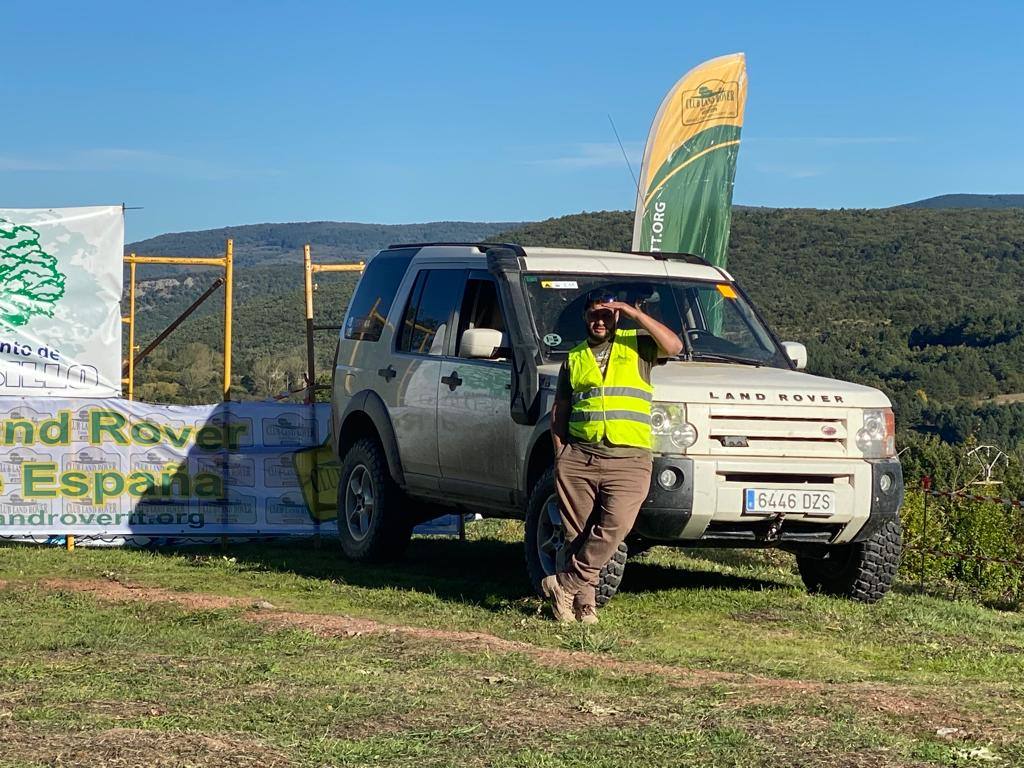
(624,156)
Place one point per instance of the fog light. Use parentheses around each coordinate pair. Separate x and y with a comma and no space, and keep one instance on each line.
(885,482)
(670,478)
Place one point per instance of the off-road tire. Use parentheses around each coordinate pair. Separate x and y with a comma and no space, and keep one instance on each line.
(863,571)
(389,529)
(611,575)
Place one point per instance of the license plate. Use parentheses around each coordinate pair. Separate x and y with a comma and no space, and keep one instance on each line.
(769,501)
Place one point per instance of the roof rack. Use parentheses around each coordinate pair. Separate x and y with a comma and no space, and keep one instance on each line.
(482,246)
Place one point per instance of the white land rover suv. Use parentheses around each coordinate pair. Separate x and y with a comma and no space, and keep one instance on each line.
(445,375)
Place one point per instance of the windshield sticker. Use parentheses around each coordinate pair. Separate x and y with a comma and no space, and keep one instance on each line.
(561,285)
(552,339)
(726,290)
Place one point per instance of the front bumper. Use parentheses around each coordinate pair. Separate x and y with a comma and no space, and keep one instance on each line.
(700,499)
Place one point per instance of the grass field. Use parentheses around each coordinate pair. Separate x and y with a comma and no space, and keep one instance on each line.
(280,655)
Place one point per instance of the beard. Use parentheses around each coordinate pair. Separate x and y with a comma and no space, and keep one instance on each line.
(605,335)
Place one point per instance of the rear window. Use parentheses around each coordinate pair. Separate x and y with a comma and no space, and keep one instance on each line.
(368,310)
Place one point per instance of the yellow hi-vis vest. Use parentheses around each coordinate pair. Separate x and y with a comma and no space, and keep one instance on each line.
(617,406)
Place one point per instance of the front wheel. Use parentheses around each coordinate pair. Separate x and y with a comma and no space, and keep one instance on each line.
(862,571)
(371,525)
(545,539)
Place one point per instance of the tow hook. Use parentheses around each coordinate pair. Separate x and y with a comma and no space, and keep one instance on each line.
(774,530)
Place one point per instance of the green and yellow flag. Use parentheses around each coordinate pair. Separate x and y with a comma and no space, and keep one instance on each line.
(684,199)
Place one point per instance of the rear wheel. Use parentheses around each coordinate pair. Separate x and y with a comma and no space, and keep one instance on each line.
(862,571)
(545,541)
(371,525)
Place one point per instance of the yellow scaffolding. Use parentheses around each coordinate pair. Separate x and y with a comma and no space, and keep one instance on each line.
(310,286)
(226,262)
(132,260)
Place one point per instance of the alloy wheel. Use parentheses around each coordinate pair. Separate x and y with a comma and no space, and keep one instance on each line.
(550,535)
(359,502)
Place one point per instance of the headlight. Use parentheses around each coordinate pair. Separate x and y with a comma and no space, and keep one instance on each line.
(671,431)
(877,438)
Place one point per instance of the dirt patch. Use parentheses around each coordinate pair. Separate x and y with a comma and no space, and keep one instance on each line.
(762,616)
(916,709)
(124,747)
(121,592)
(335,625)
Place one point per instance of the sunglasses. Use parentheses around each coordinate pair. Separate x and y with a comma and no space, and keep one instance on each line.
(594,315)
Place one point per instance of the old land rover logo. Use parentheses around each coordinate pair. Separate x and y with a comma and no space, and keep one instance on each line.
(828,429)
(711,100)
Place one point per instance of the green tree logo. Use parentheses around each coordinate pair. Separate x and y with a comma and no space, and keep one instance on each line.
(30,283)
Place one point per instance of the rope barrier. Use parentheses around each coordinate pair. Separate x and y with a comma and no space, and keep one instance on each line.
(964,495)
(927,551)
(962,556)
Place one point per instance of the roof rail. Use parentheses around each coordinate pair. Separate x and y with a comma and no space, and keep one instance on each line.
(689,258)
(484,247)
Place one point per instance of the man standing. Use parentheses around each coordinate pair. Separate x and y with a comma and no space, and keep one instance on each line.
(601,428)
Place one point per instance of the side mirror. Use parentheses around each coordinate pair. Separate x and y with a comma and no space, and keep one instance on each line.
(482,343)
(796,352)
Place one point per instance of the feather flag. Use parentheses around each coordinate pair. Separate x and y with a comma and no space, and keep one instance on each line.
(684,198)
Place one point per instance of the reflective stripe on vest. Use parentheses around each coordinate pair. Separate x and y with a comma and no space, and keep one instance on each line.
(616,407)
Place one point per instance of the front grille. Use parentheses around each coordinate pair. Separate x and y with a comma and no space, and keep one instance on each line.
(738,434)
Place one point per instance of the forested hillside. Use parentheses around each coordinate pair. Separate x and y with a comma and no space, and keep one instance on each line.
(269,332)
(925,304)
(969,201)
(261,244)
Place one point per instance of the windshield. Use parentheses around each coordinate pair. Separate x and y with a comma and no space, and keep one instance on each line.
(720,325)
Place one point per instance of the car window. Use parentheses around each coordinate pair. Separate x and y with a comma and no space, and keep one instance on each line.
(480,308)
(369,307)
(429,311)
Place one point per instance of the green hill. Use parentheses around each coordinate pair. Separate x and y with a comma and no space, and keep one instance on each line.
(969,201)
(330,240)
(924,304)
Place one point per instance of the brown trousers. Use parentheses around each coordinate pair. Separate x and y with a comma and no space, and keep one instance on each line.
(599,499)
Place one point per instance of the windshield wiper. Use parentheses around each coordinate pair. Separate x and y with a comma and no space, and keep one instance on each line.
(716,357)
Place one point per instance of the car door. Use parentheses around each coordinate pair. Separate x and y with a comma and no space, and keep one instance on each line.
(475,441)
(420,342)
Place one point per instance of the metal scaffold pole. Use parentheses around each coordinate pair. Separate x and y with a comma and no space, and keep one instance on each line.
(307,262)
(229,272)
(131,330)
(310,269)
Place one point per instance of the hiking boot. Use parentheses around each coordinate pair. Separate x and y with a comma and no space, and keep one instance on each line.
(586,614)
(560,597)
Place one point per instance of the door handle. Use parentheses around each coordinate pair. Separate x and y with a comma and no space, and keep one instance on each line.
(452,381)
(387,373)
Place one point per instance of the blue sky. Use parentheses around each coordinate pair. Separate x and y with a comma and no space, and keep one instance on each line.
(217,113)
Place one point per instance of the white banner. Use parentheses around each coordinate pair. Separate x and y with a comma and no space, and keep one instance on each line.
(60,293)
(122,468)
